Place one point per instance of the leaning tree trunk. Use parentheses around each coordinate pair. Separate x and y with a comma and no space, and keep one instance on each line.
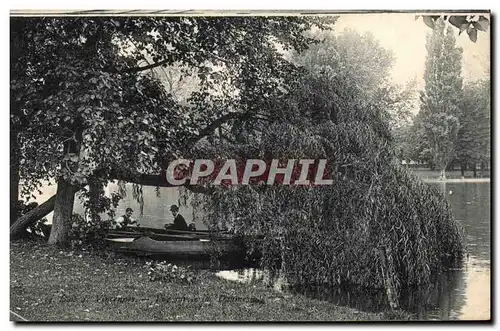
(31,217)
(63,210)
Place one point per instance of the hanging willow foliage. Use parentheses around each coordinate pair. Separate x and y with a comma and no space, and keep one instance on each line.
(138,195)
(96,203)
(377,218)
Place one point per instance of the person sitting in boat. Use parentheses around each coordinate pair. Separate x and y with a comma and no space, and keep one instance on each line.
(125,220)
(179,221)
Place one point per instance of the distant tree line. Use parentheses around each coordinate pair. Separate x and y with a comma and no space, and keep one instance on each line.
(453,125)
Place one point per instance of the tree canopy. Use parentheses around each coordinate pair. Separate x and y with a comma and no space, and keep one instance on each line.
(453,125)
(440,101)
(85,105)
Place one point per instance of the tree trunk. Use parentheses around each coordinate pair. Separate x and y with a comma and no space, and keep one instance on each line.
(474,169)
(462,169)
(389,275)
(442,175)
(63,210)
(14,177)
(32,216)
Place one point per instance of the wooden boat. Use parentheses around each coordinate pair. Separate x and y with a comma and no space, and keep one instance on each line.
(162,234)
(152,235)
(173,243)
(193,248)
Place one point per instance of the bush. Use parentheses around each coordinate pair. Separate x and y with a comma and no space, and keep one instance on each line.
(162,271)
(85,232)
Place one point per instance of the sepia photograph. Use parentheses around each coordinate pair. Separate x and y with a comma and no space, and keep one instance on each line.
(250,166)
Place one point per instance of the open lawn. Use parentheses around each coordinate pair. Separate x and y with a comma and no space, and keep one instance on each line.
(427,174)
(54,284)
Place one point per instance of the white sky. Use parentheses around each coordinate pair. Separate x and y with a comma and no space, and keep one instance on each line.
(406,37)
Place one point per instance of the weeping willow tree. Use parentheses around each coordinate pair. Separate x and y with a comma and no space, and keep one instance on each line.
(377,226)
(377,220)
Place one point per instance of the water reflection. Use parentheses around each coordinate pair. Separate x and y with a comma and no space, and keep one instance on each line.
(253,275)
(439,301)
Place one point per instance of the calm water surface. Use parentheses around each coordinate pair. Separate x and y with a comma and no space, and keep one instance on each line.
(463,293)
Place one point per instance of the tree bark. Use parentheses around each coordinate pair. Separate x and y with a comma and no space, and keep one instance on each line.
(32,216)
(389,275)
(63,210)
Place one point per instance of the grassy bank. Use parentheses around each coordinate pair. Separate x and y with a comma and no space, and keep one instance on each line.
(51,284)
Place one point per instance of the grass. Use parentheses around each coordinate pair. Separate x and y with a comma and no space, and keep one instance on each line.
(54,284)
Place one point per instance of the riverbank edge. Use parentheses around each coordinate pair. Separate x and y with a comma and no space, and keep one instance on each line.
(54,284)
(457,180)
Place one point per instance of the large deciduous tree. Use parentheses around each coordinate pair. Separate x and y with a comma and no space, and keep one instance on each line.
(85,103)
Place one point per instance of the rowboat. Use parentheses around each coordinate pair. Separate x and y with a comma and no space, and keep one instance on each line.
(152,235)
(174,243)
(193,248)
(162,234)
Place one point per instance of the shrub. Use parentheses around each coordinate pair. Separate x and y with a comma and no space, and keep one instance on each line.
(85,232)
(162,271)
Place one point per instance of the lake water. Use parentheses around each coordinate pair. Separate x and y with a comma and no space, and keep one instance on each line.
(466,294)
(463,293)
(156,209)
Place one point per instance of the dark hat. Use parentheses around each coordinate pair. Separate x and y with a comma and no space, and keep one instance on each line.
(174,208)
(129,209)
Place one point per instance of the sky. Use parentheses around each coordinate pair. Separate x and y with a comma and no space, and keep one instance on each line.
(406,37)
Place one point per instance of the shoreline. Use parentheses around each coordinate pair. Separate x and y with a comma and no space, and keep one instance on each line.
(51,284)
(457,180)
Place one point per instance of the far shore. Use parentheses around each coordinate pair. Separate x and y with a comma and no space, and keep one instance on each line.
(456,180)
